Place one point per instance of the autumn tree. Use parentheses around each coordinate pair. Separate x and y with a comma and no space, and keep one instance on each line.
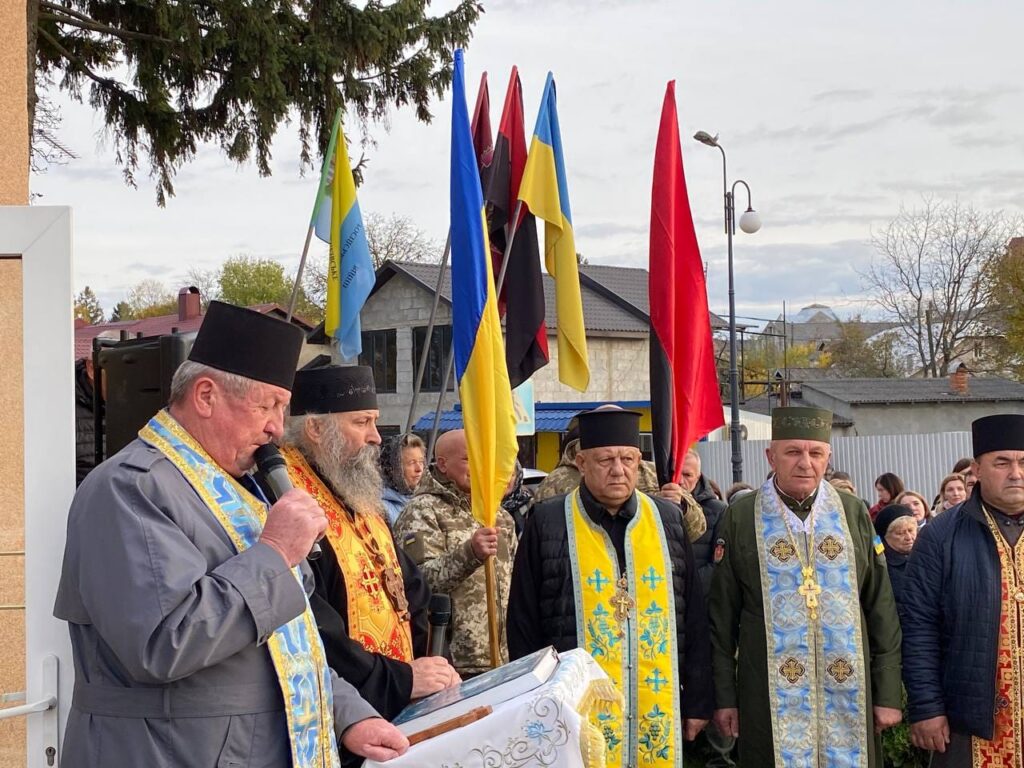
(148,298)
(763,356)
(1008,297)
(87,307)
(167,76)
(857,355)
(931,275)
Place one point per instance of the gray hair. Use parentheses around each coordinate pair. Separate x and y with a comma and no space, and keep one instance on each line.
(295,430)
(189,371)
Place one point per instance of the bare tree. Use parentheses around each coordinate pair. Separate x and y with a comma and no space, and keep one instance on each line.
(931,274)
(390,238)
(208,283)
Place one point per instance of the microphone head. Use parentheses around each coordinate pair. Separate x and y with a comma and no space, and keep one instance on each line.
(268,457)
(439,609)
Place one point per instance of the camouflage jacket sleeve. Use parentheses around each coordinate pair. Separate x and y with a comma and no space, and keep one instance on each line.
(445,557)
(694,520)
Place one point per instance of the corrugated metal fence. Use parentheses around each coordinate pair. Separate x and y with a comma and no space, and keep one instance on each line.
(921,461)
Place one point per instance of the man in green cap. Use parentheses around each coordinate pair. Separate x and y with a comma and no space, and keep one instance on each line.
(805,635)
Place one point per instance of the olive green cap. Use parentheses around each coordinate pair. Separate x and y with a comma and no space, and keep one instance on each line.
(801,423)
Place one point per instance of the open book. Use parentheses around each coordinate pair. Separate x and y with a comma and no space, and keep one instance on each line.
(493,688)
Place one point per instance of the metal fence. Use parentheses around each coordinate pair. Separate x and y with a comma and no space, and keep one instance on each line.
(921,461)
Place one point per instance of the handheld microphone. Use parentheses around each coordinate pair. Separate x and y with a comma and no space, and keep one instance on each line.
(439,613)
(274,468)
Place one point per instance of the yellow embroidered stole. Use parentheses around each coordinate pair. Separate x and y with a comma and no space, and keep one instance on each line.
(373,620)
(295,648)
(1005,750)
(626,621)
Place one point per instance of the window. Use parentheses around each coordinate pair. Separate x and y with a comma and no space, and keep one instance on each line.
(437,358)
(380,352)
(647,446)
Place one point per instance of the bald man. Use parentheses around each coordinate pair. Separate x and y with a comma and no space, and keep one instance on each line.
(439,533)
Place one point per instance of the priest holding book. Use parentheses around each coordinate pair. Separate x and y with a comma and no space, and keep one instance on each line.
(611,570)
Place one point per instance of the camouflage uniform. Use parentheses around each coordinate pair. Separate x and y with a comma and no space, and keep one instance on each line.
(435,530)
(565,478)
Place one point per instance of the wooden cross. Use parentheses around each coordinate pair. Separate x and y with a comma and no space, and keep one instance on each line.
(395,588)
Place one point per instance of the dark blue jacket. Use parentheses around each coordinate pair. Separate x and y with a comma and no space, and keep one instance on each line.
(951,607)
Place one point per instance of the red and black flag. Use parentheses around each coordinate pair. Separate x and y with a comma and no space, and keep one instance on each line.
(480,127)
(685,402)
(522,296)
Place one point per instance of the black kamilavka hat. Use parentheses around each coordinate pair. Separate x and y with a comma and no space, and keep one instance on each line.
(1002,432)
(334,389)
(244,342)
(609,427)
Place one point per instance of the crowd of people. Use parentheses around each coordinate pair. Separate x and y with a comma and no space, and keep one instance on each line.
(771,618)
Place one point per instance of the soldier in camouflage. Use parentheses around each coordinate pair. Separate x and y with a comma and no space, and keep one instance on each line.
(438,531)
(566,477)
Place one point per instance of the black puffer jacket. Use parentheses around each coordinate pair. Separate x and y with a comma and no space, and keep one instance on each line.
(85,425)
(542,604)
(950,617)
(704,547)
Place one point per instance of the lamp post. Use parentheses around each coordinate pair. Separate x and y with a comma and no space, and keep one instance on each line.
(750,223)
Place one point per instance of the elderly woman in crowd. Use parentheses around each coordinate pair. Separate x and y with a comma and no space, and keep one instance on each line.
(896,526)
(952,491)
(402,463)
(888,486)
(917,504)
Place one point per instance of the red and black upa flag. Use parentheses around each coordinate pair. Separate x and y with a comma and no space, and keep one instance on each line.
(685,402)
(480,127)
(522,296)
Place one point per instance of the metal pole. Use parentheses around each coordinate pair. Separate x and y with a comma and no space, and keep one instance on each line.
(425,353)
(510,236)
(734,376)
(298,275)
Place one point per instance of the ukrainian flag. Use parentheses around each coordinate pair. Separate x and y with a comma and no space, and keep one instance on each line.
(337,220)
(545,190)
(476,330)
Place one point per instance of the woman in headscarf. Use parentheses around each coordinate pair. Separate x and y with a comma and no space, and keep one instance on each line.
(896,526)
(402,463)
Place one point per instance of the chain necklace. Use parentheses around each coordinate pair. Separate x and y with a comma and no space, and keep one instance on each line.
(390,579)
(809,587)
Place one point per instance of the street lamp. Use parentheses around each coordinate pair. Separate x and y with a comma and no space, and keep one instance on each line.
(750,223)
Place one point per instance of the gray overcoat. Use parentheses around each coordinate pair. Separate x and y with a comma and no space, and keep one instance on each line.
(168,628)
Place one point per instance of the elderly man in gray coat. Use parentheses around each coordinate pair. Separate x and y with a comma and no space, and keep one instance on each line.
(186,597)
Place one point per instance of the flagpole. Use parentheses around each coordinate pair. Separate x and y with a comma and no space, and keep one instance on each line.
(298,275)
(510,238)
(425,353)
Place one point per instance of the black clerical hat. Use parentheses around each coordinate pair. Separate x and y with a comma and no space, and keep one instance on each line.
(1002,432)
(334,389)
(609,427)
(247,343)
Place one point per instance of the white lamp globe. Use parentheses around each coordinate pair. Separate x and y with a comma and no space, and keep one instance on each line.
(750,222)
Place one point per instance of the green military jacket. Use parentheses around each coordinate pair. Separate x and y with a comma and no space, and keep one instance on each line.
(435,529)
(738,636)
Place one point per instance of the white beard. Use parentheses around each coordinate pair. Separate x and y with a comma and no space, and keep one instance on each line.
(354,478)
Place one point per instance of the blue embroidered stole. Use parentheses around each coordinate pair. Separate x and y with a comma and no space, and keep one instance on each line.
(295,647)
(817,679)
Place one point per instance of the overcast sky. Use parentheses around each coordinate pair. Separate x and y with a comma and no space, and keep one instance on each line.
(835,113)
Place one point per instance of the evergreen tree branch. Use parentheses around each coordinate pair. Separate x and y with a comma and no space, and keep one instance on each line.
(103,28)
(78,61)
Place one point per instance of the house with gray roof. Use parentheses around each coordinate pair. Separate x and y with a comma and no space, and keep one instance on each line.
(912,406)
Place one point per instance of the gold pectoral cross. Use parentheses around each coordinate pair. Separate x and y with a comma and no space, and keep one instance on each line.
(810,590)
(622,603)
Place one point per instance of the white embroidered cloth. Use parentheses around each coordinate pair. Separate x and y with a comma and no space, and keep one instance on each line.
(538,728)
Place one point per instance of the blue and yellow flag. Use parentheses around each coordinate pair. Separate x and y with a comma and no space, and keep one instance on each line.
(545,190)
(337,220)
(476,330)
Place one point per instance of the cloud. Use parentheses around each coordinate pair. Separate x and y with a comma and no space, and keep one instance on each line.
(843,95)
